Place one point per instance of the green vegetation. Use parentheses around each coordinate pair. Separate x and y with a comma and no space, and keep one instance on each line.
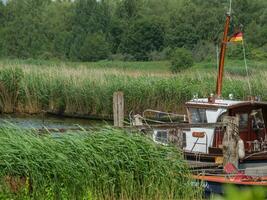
(105,164)
(87,88)
(90,30)
(232,192)
(181,59)
(42,45)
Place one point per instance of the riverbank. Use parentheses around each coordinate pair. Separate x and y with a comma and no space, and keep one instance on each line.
(86,89)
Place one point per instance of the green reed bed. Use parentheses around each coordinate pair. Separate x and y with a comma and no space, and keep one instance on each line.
(105,164)
(86,91)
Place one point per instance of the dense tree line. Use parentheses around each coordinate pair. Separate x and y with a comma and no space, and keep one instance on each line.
(91,30)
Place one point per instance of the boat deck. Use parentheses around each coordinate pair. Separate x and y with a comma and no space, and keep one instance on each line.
(201,165)
(256,171)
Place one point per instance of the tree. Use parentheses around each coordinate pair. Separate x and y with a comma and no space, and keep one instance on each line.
(25,32)
(95,48)
(143,37)
(2,13)
(115,33)
(2,24)
(136,28)
(58,18)
(128,9)
(90,17)
(197,20)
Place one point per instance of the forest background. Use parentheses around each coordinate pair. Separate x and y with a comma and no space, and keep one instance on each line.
(127,30)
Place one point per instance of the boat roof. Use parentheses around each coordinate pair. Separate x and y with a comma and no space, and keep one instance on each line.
(221,103)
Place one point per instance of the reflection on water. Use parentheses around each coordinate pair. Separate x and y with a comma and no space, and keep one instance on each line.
(38,122)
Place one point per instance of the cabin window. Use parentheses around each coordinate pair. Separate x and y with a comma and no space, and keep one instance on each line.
(161,137)
(257,119)
(184,139)
(198,115)
(243,121)
(220,118)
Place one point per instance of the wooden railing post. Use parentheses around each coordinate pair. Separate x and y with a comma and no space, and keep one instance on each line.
(175,137)
(230,140)
(118,109)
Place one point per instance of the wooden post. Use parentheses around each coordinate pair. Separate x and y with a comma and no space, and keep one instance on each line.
(118,109)
(230,140)
(175,137)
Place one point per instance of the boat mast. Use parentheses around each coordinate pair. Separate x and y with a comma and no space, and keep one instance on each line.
(222,53)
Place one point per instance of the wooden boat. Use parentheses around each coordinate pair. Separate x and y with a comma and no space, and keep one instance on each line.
(206,144)
(215,182)
(202,136)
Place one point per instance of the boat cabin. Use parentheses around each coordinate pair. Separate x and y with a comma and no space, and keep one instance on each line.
(252,119)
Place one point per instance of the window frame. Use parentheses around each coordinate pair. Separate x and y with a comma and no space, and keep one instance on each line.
(203,118)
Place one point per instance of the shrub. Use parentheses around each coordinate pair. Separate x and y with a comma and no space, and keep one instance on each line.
(159,55)
(258,54)
(121,57)
(95,48)
(181,59)
(235,51)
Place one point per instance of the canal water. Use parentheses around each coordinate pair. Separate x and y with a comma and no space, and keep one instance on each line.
(49,122)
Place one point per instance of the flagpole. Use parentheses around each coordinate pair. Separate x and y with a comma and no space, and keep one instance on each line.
(222,57)
(217,54)
(245,61)
(223,52)
(230,8)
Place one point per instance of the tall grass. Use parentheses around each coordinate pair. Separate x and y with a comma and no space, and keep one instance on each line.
(107,164)
(88,90)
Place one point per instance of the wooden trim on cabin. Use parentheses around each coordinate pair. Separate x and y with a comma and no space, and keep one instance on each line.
(225,179)
(206,106)
(222,105)
(189,115)
(178,125)
(240,105)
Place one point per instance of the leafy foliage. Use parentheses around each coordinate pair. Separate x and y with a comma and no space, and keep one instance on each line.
(94,48)
(232,192)
(181,59)
(143,37)
(136,28)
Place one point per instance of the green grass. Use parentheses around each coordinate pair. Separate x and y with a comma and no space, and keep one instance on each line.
(151,67)
(249,193)
(105,164)
(87,88)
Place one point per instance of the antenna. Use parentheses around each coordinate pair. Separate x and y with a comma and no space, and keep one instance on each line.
(230,7)
(246,65)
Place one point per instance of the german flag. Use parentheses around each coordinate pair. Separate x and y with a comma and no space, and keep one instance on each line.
(237,37)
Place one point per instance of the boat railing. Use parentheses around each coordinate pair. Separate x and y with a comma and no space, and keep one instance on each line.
(159,114)
(150,118)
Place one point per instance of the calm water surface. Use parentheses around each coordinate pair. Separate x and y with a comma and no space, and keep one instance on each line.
(38,122)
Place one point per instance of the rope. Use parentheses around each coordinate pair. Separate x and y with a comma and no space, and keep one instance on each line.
(258,153)
(245,60)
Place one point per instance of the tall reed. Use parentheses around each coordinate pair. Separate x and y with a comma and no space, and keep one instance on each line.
(106,164)
(88,91)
